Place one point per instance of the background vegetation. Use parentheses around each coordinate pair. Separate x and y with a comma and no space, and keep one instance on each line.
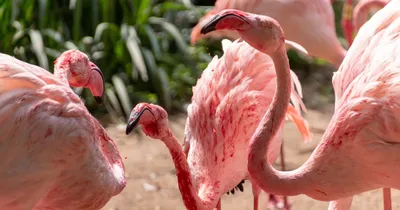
(142,46)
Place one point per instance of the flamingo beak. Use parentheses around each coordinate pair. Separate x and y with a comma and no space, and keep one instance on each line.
(211,26)
(98,99)
(134,119)
(232,14)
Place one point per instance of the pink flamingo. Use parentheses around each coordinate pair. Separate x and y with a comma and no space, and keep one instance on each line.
(357,18)
(55,155)
(74,68)
(227,105)
(318,36)
(359,148)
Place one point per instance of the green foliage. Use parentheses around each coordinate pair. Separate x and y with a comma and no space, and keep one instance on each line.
(141,46)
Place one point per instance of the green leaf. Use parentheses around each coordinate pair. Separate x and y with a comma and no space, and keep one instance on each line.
(168,6)
(159,80)
(52,52)
(143,11)
(77,19)
(102,27)
(38,48)
(114,102)
(56,36)
(70,45)
(173,31)
(153,41)
(122,92)
(136,55)
(42,12)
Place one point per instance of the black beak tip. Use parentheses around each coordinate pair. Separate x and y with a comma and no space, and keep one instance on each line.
(207,29)
(210,26)
(128,129)
(98,99)
(131,125)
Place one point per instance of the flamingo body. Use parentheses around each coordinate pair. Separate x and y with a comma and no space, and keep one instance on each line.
(55,154)
(360,145)
(226,107)
(307,22)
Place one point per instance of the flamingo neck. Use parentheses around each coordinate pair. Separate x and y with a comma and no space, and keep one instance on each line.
(188,190)
(361,11)
(61,73)
(337,59)
(261,171)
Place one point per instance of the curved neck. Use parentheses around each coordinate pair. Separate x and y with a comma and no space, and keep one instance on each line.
(261,171)
(362,9)
(188,191)
(61,73)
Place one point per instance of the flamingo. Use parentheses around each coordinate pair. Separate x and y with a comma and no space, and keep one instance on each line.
(318,36)
(227,104)
(357,18)
(54,154)
(74,68)
(360,145)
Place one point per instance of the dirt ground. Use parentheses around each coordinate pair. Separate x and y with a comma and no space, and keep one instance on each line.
(152,183)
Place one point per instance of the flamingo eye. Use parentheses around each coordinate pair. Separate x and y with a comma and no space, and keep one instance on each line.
(263,23)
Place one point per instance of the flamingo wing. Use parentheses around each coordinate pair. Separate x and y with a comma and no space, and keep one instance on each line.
(47,136)
(364,52)
(227,104)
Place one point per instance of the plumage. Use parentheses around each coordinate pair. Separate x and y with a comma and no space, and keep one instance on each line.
(55,155)
(352,21)
(227,105)
(318,36)
(360,146)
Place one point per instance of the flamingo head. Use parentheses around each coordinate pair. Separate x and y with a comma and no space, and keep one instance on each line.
(80,72)
(152,118)
(261,32)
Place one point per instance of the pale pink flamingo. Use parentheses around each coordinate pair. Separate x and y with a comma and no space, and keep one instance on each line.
(318,36)
(55,155)
(352,21)
(227,105)
(360,146)
(74,68)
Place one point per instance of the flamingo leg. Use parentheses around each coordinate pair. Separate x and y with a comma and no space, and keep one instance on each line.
(256,194)
(387,199)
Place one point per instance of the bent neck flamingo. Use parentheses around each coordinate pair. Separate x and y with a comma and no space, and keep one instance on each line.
(227,105)
(360,145)
(74,68)
(51,145)
(353,20)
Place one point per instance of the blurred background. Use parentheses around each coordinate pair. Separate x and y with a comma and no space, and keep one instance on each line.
(142,47)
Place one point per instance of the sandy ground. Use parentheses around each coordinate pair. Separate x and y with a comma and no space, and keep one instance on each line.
(152,183)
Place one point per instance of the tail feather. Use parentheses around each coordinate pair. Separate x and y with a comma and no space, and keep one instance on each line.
(296,96)
(300,122)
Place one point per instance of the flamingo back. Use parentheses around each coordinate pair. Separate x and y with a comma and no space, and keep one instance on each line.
(307,22)
(228,102)
(367,111)
(370,52)
(51,145)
